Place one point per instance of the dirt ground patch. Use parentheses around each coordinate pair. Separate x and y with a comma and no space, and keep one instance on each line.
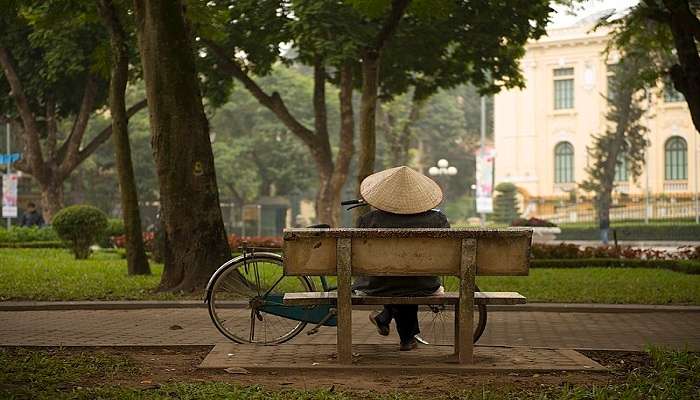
(156,366)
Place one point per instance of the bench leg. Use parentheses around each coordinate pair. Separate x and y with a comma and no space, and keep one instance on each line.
(464,330)
(344,330)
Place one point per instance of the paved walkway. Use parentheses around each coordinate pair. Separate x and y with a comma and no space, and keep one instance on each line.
(155,327)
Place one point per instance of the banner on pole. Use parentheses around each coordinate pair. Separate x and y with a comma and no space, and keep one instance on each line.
(9,195)
(484,179)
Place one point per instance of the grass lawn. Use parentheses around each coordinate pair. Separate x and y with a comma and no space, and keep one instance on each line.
(58,374)
(53,274)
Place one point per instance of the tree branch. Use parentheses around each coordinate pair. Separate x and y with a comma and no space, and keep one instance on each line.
(34,156)
(319,104)
(104,135)
(347,129)
(398,8)
(680,10)
(273,102)
(75,138)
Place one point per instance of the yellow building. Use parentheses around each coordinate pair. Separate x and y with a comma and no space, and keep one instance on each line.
(542,134)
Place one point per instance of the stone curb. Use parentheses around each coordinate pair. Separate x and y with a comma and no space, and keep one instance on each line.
(146,304)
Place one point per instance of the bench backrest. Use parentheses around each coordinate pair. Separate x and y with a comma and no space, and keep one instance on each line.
(400,252)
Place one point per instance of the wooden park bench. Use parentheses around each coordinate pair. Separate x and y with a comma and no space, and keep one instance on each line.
(463,253)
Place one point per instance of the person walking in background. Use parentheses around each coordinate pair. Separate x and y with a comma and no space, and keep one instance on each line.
(402,198)
(31,216)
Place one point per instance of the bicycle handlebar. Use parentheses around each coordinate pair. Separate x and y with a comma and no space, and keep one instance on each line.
(351,202)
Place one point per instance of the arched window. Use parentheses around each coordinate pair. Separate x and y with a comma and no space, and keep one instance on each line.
(563,162)
(676,159)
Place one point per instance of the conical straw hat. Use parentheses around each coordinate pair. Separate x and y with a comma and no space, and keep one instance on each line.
(401,190)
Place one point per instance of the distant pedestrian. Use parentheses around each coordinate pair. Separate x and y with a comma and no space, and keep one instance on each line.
(31,216)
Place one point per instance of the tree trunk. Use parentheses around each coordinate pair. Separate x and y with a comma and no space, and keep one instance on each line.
(51,197)
(686,75)
(194,229)
(137,262)
(368,110)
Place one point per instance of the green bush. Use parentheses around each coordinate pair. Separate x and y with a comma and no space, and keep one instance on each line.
(115,227)
(505,205)
(20,234)
(641,231)
(80,226)
(684,266)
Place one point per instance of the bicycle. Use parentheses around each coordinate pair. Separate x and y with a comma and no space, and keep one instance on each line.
(248,291)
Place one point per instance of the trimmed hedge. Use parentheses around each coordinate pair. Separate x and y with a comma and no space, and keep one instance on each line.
(18,234)
(684,266)
(690,232)
(46,244)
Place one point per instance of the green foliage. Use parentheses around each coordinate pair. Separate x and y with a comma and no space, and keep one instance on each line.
(505,205)
(459,210)
(42,244)
(253,150)
(631,231)
(637,33)
(115,227)
(81,226)
(54,50)
(18,234)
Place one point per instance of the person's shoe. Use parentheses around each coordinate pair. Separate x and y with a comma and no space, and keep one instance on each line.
(381,329)
(408,346)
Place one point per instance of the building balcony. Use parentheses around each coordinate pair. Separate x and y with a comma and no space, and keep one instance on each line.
(675,186)
(563,188)
(622,187)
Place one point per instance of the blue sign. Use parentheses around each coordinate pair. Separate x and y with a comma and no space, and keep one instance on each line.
(9,158)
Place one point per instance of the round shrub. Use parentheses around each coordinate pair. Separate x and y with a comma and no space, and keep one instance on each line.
(80,226)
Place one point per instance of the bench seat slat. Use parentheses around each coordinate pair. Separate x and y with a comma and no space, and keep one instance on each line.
(488,298)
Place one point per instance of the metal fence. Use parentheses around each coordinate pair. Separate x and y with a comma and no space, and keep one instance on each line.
(655,209)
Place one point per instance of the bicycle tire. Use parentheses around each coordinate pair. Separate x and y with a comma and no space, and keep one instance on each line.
(228,294)
(437,323)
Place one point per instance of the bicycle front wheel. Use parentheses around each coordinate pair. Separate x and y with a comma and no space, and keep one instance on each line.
(245,299)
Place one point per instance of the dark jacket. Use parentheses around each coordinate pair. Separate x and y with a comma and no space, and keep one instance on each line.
(400,285)
(32,218)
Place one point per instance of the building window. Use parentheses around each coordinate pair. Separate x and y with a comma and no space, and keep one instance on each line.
(671,95)
(563,88)
(563,163)
(676,159)
(621,168)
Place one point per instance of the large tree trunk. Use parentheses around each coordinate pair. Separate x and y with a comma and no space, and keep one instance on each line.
(137,262)
(51,197)
(192,218)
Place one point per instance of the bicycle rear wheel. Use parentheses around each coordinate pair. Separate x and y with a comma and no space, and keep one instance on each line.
(245,299)
(437,324)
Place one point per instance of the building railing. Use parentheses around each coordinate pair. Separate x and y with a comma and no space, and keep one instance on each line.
(658,209)
(675,186)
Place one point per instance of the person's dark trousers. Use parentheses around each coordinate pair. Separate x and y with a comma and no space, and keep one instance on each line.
(406,318)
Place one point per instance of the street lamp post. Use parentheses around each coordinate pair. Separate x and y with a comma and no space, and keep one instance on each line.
(443,168)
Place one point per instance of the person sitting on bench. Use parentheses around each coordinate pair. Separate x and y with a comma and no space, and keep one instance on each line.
(401,198)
